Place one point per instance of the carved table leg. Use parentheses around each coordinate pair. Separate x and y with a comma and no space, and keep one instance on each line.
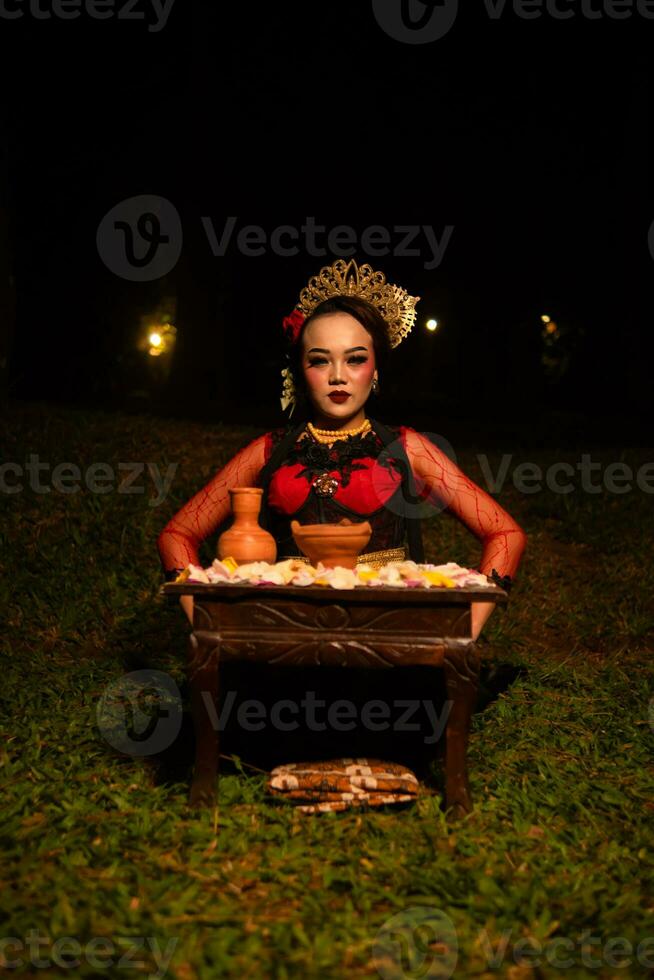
(461,665)
(203,681)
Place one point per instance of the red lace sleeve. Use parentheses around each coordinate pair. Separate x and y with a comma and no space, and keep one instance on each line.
(502,538)
(179,541)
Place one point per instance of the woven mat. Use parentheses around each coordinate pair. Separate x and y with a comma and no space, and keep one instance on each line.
(338,784)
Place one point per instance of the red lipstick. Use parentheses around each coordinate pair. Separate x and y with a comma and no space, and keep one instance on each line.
(339,396)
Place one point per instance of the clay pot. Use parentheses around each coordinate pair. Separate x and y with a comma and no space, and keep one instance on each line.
(245,540)
(332,544)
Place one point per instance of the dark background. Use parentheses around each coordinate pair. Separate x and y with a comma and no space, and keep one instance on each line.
(530,137)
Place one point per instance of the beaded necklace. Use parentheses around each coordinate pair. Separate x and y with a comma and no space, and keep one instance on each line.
(327,436)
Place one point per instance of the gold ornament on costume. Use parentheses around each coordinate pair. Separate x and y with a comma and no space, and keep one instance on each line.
(348,279)
(325,485)
(289,396)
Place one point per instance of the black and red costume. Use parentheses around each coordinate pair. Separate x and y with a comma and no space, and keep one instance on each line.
(380,477)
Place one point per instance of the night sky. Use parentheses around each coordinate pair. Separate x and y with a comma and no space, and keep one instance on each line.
(528,138)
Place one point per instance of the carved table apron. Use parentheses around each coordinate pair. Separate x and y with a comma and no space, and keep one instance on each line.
(314,625)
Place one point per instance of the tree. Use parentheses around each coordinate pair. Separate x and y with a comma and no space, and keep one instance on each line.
(7,285)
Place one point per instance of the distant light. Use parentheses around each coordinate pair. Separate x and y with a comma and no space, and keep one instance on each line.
(545,318)
(432,325)
(551,327)
(158,337)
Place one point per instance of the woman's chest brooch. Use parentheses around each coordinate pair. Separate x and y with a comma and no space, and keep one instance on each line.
(325,485)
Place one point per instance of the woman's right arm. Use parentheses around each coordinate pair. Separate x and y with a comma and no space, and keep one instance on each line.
(180,539)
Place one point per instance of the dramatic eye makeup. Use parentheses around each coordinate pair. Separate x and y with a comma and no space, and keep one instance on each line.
(355,359)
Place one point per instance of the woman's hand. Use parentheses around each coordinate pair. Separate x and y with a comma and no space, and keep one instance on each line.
(450,489)
(187,605)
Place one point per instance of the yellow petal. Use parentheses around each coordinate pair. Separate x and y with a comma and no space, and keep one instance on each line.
(437,579)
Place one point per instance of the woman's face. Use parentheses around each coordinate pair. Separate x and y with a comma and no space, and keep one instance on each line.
(338,356)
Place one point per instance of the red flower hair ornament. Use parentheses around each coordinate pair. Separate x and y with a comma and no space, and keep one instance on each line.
(292,325)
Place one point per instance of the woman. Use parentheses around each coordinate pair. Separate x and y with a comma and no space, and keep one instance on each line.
(338,461)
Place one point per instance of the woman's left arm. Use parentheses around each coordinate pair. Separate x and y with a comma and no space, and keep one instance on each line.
(502,538)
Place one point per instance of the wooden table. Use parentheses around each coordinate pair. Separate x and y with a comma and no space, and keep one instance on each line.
(378,628)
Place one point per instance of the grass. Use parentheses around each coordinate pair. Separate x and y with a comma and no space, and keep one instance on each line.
(98,845)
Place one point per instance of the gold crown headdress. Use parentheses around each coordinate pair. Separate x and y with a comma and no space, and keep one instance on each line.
(348,279)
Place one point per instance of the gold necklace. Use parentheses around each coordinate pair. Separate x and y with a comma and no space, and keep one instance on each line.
(325,436)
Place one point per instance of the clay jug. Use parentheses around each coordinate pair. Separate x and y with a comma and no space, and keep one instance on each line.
(245,540)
